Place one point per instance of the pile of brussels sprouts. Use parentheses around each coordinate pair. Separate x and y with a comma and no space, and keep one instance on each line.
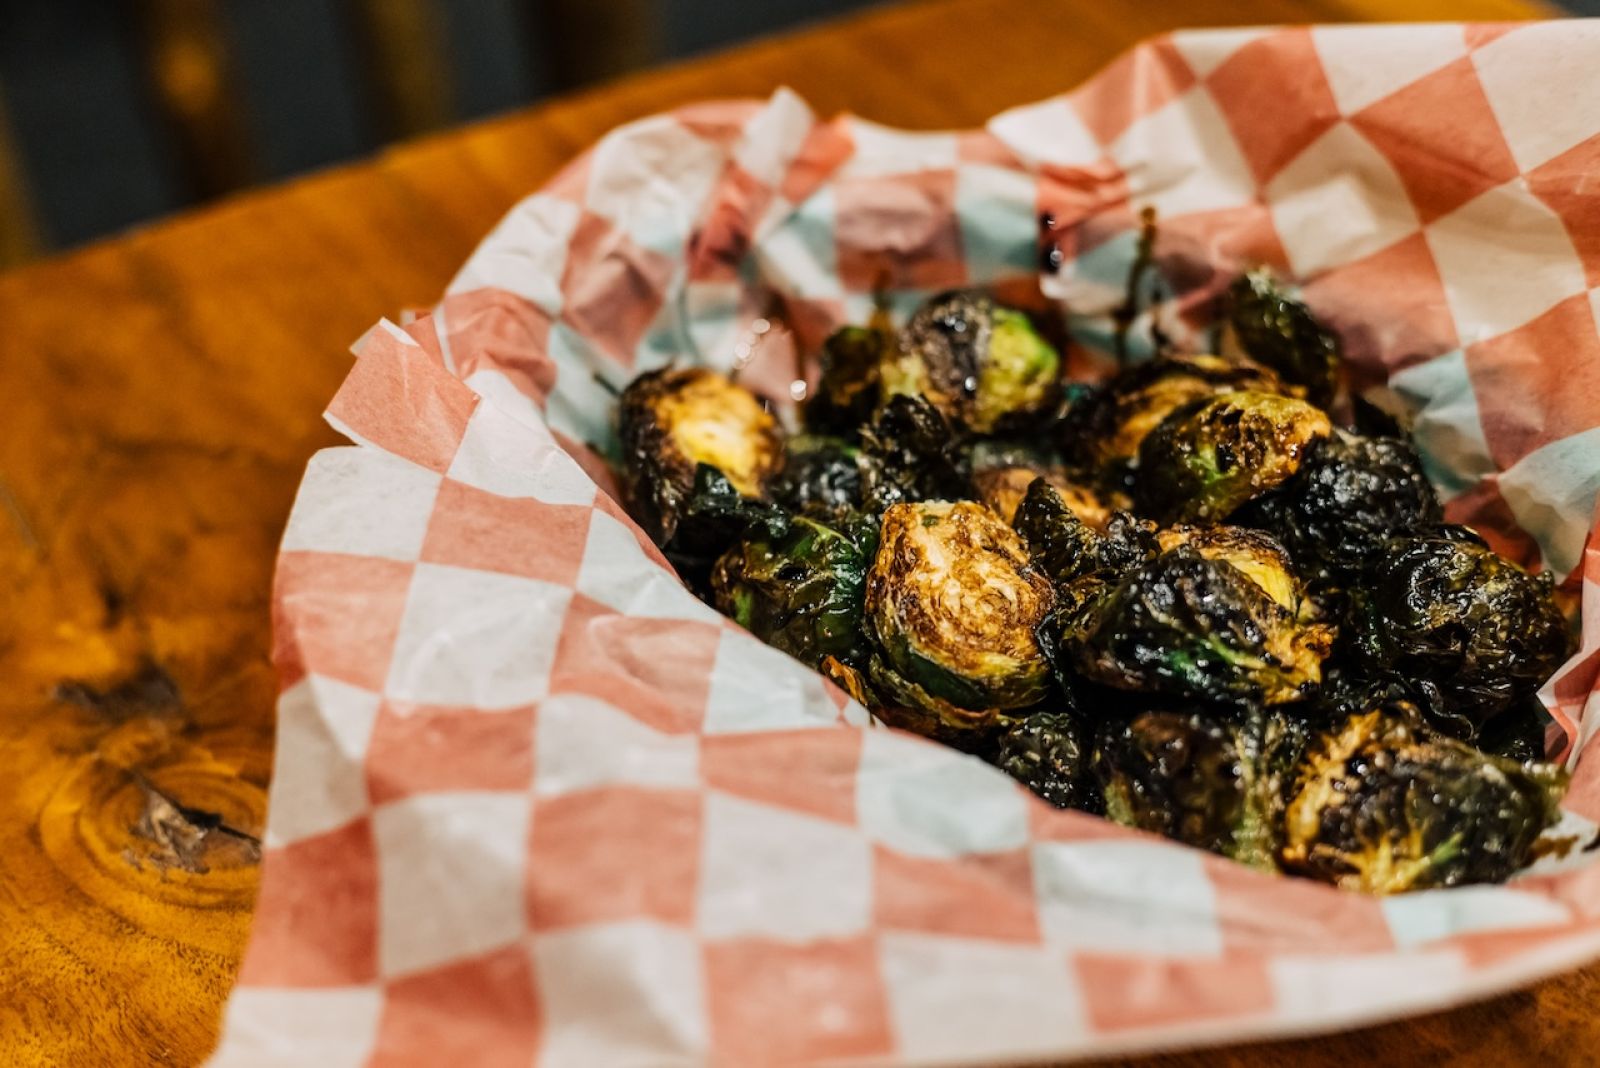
(1186,598)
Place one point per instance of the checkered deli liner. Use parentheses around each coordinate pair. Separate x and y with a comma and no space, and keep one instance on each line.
(534,804)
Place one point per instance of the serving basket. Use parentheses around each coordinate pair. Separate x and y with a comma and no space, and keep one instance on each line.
(534,803)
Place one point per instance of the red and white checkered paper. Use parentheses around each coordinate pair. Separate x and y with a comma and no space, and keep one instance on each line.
(536,805)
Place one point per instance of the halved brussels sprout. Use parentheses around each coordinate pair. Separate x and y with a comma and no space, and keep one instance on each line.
(908,453)
(1217,784)
(1468,630)
(799,591)
(1107,426)
(1349,499)
(821,478)
(1049,753)
(1385,806)
(1253,552)
(953,602)
(1195,628)
(981,365)
(850,386)
(1268,326)
(1207,459)
(674,419)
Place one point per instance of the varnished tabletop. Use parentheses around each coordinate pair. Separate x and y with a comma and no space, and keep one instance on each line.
(159,395)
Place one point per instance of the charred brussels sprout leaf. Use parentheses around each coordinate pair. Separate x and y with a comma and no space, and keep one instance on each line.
(675,419)
(1517,733)
(799,590)
(1207,459)
(908,454)
(821,478)
(849,679)
(1385,806)
(1003,488)
(981,365)
(953,602)
(849,388)
(1265,324)
(1003,469)
(1469,629)
(711,518)
(1049,753)
(1217,784)
(1196,628)
(1348,500)
(1066,548)
(1107,426)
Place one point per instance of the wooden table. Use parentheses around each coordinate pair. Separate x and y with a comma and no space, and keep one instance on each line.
(161,394)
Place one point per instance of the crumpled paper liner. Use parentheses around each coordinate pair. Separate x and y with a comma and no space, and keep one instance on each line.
(535,804)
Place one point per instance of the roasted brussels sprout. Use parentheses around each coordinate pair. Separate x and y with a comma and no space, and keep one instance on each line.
(821,478)
(981,365)
(1383,805)
(850,388)
(1049,753)
(674,419)
(1195,628)
(1348,500)
(799,590)
(1467,629)
(909,454)
(1210,457)
(1106,426)
(1267,325)
(953,601)
(1215,783)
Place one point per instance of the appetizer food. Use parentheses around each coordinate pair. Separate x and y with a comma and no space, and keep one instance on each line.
(1187,598)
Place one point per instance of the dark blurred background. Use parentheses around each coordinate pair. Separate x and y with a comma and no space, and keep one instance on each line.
(113,112)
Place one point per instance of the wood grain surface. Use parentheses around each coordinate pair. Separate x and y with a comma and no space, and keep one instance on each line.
(161,394)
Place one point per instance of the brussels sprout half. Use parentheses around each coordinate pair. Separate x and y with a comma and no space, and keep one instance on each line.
(1210,457)
(799,590)
(981,365)
(1385,806)
(1470,632)
(1214,783)
(1352,496)
(1195,628)
(1268,326)
(1107,426)
(674,419)
(953,602)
